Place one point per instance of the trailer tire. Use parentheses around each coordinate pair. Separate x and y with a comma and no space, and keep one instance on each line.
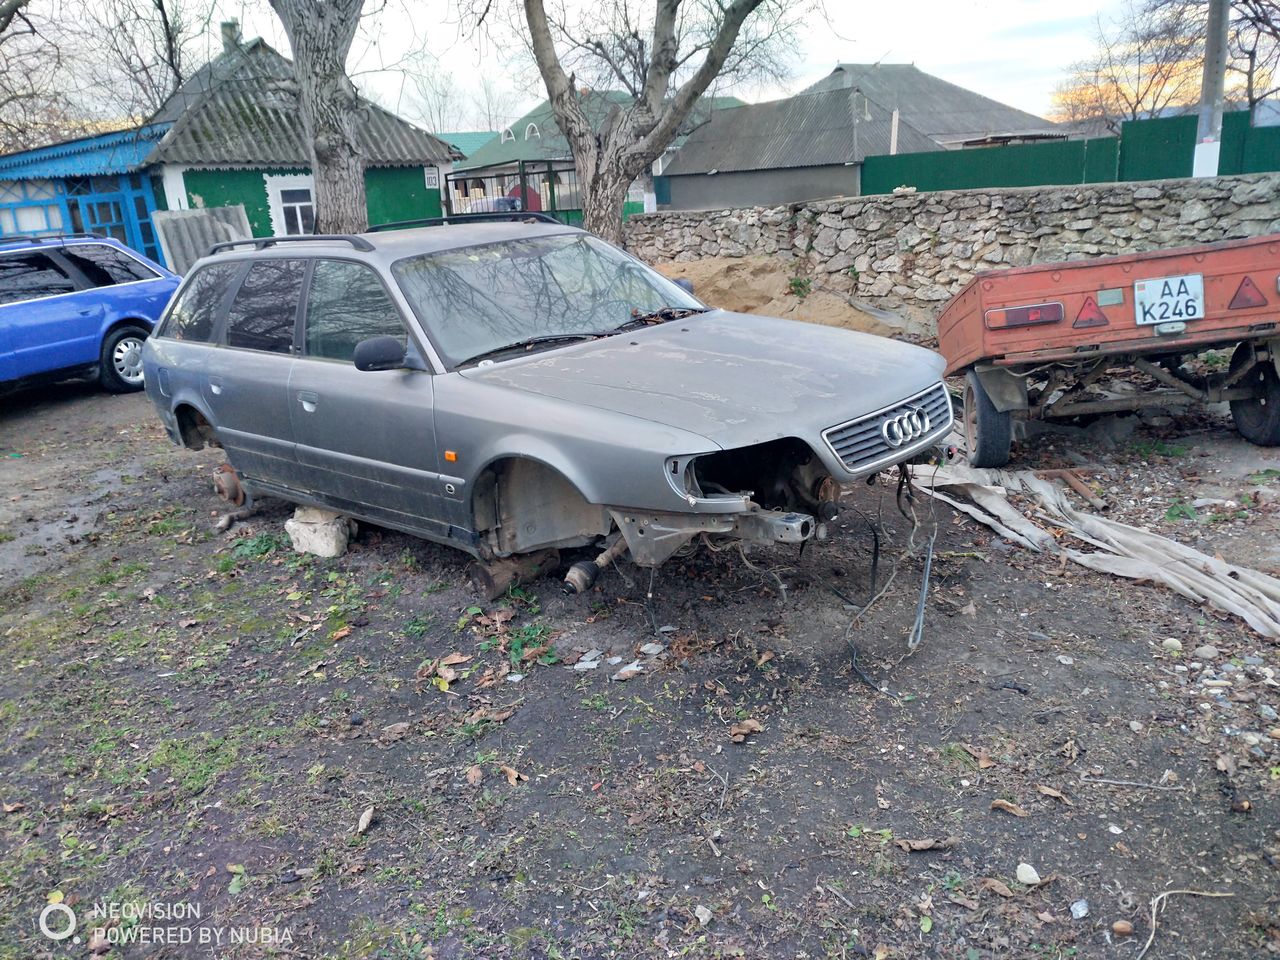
(988,433)
(1258,417)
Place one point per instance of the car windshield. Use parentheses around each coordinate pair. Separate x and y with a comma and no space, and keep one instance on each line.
(479,299)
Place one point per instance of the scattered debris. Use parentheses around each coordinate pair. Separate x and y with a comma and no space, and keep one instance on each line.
(995,886)
(1079,909)
(633,669)
(1027,875)
(1051,792)
(366,818)
(395,731)
(513,775)
(1122,928)
(703,914)
(1171,645)
(1157,900)
(739,732)
(915,846)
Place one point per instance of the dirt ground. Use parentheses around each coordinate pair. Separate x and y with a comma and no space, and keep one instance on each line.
(191,717)
(768,285)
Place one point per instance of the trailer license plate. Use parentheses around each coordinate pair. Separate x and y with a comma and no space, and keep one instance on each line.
(1169,299)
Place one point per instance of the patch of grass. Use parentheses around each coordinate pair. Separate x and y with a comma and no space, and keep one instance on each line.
(1259,479)
(1158,448)
(256,547)
(1181,510)
(193,764)
(6,536)
(415,628)
(800,287)
(598,702)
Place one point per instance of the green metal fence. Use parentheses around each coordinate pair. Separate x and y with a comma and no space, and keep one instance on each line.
(1146,150)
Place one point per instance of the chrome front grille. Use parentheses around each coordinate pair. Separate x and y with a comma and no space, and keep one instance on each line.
(867,443)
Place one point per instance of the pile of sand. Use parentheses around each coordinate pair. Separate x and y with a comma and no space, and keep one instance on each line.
(761,285)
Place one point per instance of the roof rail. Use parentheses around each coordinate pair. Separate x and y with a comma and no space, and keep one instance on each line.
(500,216)
(261,243)
(53,236)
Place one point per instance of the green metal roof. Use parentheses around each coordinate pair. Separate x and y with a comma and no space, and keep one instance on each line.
(535,136)
(468,141)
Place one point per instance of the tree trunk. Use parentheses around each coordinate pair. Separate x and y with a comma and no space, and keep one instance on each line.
(320,34)
(602,198)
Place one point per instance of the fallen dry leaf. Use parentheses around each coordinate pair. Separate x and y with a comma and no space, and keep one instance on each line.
(1050,792)
(513,775)
(447,674)
(740,731)
(14,807)
(395,731)
(963,901)
(475,775)
(984,759)
(366,818)
(1044,916)
(995,886)
(535,652)
(341,633)
(913,846)
(453,659)
(1008,807)
(765,658)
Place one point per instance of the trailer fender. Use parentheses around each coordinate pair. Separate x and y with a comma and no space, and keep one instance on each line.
(1007,390)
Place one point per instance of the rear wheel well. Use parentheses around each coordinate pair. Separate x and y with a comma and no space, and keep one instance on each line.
(520,504)
(194,428)
(135,322)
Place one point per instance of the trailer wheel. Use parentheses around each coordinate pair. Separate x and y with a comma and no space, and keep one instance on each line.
(988,433)
(1257,418)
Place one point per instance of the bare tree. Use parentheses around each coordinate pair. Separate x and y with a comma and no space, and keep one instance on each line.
(493,105)
(33,109)
(437,100)
(8,10)
(131,55)
(320,34)
(664,54)
(1146,61)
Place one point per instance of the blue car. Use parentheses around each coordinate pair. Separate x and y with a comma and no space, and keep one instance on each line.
(77,306)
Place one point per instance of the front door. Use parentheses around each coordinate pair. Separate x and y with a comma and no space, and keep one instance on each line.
(368,436)
(246,383)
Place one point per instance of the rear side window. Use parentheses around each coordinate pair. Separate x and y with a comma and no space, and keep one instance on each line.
(196,309)
(105,266)
(29,276)
(346,304)
(265,308)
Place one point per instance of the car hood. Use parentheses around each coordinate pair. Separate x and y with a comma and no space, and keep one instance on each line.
(733,378)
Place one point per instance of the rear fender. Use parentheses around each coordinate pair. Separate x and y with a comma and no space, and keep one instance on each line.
(1007,390)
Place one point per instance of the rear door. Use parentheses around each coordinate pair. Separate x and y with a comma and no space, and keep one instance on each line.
(47,325)
(246,378)
(369,436)
(126,286)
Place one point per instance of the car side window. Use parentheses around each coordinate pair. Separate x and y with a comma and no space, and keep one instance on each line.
(265,308)
(105,266)
(346,304)
(192,315)
(31,275)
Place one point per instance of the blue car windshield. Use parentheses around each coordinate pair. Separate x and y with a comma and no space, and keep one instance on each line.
(479,299)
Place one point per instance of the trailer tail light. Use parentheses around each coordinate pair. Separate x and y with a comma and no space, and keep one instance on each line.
(1247,296)
(1028,316)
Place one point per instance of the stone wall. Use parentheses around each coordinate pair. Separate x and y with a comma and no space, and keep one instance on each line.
(912,252)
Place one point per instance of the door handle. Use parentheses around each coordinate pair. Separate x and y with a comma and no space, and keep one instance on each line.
(215,385)
(308,400)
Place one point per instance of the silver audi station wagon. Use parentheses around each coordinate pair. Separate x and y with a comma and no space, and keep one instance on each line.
(517,386)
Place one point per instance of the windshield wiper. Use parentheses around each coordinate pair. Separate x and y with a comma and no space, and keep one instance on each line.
(661,315)
(531,342)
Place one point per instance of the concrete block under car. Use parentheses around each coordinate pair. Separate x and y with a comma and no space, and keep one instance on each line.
(319,532)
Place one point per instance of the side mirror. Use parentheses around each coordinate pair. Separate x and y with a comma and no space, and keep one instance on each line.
(379,353)
(685,284)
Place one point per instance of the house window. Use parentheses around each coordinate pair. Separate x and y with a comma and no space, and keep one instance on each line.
(532,131)
(506,136)
(291,200)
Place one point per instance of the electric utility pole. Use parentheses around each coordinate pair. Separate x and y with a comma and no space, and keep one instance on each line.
(1209,127)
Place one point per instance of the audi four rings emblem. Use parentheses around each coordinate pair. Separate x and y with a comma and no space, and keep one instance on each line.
(905,427)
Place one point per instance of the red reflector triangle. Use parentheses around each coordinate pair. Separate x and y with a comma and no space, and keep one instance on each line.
(1090,315)
(1247,295)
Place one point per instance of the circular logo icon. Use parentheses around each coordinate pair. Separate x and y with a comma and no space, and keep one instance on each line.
(56,916)
(905,427)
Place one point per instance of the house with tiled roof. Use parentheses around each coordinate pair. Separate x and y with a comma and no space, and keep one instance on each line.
(231,135)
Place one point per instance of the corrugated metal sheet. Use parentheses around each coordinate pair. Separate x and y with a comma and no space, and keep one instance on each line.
(944,111)
(102,155)
(241,111)
(809,130)
(187,235)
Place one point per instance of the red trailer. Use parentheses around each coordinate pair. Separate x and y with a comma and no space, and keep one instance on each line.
(1034,342)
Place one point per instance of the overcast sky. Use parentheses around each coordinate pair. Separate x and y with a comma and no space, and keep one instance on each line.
(1015,51)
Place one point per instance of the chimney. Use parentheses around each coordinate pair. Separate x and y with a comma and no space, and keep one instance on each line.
(230,36)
